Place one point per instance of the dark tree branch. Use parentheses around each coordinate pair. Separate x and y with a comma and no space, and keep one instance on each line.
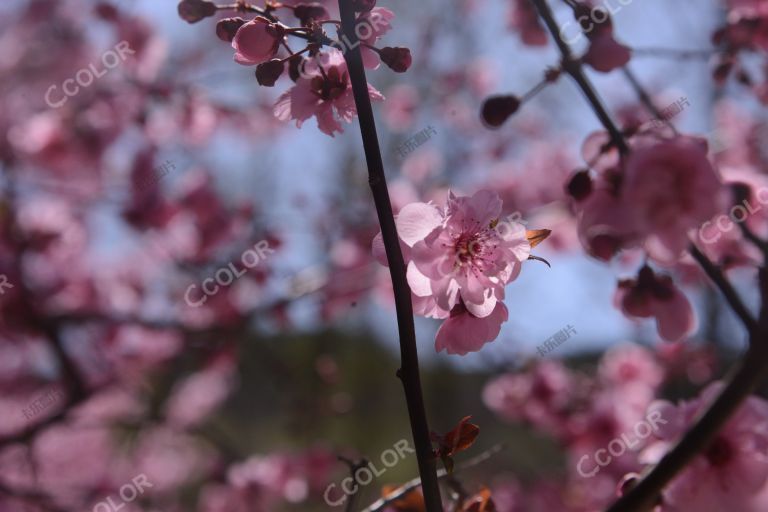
(409,370)
(722,283)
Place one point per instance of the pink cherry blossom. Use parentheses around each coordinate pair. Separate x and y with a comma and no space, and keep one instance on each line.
(324,91)
(459,258)
(467,255)
(256,41)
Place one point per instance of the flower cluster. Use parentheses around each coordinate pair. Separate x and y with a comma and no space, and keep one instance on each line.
(322,87)
(459,259)
(651,198)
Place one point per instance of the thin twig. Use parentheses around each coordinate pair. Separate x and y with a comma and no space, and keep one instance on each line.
(725,287)
(572,66)
(645,98)
(409,370)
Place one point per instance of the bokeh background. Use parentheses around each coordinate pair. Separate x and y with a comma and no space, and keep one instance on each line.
(172,165)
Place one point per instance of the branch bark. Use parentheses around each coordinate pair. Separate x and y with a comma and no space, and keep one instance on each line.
(409,370)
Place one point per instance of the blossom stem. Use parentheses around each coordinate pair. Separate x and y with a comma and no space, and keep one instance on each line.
(409,370)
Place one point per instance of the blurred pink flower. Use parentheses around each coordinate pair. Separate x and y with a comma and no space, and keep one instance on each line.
(731,472)
(671,188)
(524,19)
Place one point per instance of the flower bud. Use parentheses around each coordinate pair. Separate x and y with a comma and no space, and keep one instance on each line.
(107,11)
(296,67)
(257,41)
(308,12)
(398,59)
(363,5)
(193,11)
(580,185)
(268,72)
(228,27)
(497,109)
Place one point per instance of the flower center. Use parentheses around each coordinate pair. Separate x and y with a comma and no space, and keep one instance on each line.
(473,250)
(329,86)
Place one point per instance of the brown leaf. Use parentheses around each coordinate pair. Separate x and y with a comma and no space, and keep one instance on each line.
(480,502)
(461,437)
(536,236)
(413,501)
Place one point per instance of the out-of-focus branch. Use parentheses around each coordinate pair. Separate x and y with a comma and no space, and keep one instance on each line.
(572,66)
(725,287)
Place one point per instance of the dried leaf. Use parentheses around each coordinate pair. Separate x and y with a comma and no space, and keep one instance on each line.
(461,437)
(455,441)
(413,501)
(480,502)
(536,236)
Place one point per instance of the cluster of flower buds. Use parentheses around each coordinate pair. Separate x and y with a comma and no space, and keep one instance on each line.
(318,70)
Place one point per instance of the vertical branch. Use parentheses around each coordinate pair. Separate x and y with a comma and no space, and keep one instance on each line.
(409,370)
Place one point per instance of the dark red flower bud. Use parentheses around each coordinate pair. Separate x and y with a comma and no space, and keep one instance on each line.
(296,67)
(398,59)
(308,12)
(107,11)
(594,21)
(193,11)
(228,27)
(744,78)
(497,109)
(363,5)
(267,73)
(723,67)
(580,185)
(740,192)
